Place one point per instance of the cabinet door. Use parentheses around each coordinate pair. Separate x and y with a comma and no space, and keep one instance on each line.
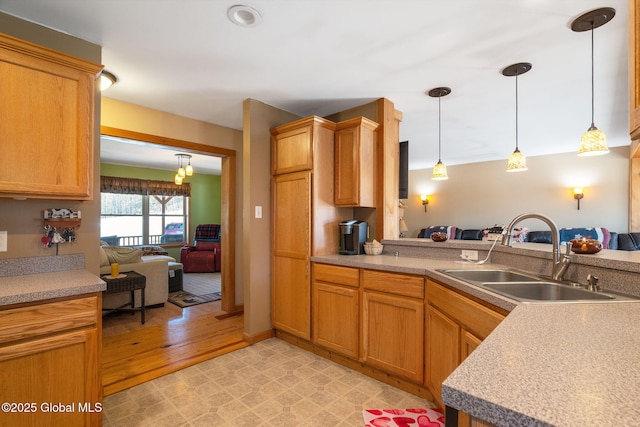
(393,334)
(335,318)
(292,150)
(634,69)
(61,369)
(355,163)
(47,110)
(443,349)
(291,278)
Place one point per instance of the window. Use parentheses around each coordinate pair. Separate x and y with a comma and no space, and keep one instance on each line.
(141,219)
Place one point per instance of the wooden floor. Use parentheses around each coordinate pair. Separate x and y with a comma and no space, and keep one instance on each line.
(171,339)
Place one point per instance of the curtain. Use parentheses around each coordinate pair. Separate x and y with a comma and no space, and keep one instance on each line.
(112,184)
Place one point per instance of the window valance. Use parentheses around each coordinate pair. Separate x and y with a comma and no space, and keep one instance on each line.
(113,184)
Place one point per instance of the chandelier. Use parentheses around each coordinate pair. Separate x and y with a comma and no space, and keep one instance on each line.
(183,171)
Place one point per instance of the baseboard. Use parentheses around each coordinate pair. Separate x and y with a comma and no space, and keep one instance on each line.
(252,339)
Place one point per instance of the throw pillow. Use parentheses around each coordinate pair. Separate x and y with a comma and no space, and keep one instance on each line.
(122,255)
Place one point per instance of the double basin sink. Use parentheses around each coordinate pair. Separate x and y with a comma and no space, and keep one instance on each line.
(530,288)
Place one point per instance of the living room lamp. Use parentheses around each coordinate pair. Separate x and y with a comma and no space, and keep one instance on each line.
(439,170)
(517,162)
(593,141)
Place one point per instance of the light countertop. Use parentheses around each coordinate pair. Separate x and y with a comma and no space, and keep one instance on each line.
(43,286)
(546,364)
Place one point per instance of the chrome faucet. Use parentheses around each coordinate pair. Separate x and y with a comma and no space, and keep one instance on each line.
(560,262)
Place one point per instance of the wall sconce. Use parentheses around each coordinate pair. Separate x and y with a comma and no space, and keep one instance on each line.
(425,201)
(578,194)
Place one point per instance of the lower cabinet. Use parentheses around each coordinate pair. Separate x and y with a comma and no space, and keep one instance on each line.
(336,309)
(50,357)
(393,323)
(455,326)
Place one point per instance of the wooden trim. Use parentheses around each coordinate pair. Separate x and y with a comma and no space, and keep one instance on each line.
(228,197)
(261,336)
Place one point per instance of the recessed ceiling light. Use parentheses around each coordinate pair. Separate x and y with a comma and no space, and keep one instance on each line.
(245,16)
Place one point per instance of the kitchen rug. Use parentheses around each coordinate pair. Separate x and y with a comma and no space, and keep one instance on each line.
(414,417)
(186,299)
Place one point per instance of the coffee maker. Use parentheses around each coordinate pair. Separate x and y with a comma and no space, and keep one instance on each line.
(353,234)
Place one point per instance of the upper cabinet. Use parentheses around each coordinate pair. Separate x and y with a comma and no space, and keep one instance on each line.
(47,126)
(355,163)
(634,69)
(292,148)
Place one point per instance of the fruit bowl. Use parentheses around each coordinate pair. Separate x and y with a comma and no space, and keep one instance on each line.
(585,246)
(373,249)
(438,236)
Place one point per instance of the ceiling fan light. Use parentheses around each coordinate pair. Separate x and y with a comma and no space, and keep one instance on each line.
(517,162)
(439,171)
(593,143)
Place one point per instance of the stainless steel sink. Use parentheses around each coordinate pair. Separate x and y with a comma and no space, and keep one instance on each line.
(531,288)
(544,291)
(482,276)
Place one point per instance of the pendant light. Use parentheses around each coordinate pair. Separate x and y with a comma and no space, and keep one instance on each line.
(516,162)
(594,141)
(183,171)
(439,170)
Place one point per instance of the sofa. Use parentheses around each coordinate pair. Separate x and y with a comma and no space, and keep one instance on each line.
(453,233)
(152,264)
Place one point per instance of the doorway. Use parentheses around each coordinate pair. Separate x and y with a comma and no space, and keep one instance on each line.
(228,198)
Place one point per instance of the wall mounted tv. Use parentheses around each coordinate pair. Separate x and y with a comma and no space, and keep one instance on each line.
(404,170)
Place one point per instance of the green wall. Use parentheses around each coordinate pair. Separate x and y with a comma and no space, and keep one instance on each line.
(205,193)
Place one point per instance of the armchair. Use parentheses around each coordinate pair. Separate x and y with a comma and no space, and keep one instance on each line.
(205,255)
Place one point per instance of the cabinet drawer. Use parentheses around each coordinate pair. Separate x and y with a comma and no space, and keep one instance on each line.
(44,319)
(347,276)
(474,317)
(394,283)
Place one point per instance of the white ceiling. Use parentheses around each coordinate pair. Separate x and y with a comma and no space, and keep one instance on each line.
(324,56)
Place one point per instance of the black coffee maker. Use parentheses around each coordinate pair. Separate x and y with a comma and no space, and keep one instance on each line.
(353,234)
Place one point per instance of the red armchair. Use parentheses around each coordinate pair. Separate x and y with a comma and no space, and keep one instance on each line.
(203,257)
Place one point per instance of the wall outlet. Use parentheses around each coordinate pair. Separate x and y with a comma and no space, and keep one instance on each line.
(469,255)
(3,241)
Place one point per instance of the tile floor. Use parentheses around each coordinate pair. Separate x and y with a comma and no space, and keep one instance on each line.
(271,383)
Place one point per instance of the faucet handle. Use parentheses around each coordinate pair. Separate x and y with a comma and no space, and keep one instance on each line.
(592,283)
(568,247)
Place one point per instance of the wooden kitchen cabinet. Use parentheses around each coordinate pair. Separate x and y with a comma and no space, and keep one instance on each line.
(47,129)
(393,323)
(355,162)
(634,69)
(302,190)
(455,326)
(336,309)
(50,354)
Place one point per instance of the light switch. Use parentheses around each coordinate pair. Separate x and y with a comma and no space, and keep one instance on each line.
(258,211)
(3,241)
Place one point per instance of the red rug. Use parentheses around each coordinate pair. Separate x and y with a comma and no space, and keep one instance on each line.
(418,417)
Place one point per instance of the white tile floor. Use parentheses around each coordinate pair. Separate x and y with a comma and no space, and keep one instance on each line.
(271,383)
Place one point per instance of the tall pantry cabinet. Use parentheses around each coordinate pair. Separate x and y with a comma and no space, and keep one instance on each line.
(305,221)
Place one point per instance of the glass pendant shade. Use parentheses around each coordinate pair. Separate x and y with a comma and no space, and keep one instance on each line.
(181,172)
(177,180)
(517,162)
(189,170)
(593,143)
(439,171)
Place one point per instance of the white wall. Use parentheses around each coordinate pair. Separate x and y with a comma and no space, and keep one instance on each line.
(479,195)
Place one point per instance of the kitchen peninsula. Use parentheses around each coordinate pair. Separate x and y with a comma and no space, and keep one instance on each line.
(546,363)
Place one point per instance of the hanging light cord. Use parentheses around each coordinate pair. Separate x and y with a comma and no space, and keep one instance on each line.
(592,78)
(439,130)
(517,111)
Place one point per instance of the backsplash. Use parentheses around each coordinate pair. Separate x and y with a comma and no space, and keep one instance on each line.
(44,264)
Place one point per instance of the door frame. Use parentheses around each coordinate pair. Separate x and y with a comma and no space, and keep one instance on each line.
(227,203)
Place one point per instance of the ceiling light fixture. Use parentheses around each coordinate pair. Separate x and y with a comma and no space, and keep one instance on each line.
(517,162)
(244,16)
(439,170)
(594,141)
(107,80)
(183,171)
